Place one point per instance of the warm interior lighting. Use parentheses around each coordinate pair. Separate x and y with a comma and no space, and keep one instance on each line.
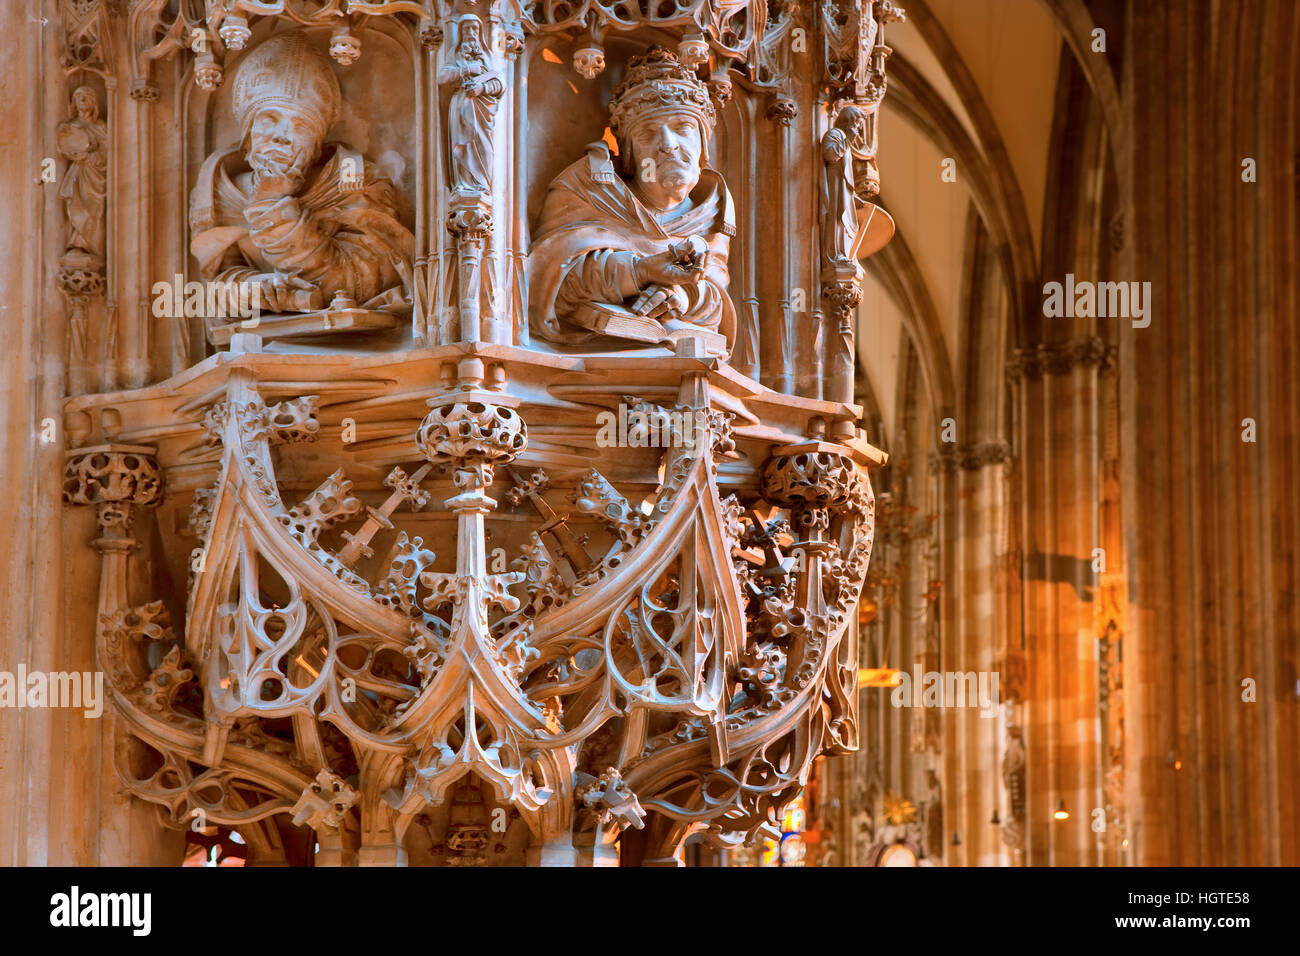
(314,673)
(879,677)
(867,612)
(1061,813)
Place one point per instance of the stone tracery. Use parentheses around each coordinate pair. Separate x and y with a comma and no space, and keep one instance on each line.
(473,603)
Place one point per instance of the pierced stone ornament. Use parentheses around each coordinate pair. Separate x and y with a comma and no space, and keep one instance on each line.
(426,600)
(589,61)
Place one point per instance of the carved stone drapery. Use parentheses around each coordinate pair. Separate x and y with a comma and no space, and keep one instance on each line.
(82,140)
(433,613)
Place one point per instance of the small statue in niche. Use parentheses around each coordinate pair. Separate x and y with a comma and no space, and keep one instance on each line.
(470,115)
(840,198)
(642,258)
(81,141)
(301,219)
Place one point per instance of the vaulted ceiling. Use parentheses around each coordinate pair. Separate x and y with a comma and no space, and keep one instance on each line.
(974,81)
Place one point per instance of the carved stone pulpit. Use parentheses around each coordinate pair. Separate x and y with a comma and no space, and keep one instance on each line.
(507,502)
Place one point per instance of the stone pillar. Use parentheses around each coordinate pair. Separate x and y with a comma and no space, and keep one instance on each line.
(1057,429)
(33,369)
(1211,658)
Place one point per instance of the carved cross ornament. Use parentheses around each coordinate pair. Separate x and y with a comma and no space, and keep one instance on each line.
(497,501)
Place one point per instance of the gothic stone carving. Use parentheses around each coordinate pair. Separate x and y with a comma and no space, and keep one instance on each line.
(301,220)
(478,89)
(840,196)
(82,140)
(641,258)
(431,612)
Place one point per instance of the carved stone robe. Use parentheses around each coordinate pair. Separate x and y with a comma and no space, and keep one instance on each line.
(469,123)
(85,182)
(839,224)
(341,240)
(592,227)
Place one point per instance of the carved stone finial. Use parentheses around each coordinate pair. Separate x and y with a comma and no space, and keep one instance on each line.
(589,61)
(98,475)
(115,479)
(208,74)
(324,802)
(473,431)
(234,31)
(815,479)
(345,46)
(611,797)
(693,51)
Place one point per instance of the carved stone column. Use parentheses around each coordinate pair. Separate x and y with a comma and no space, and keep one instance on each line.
(841,296)
(470,222)
(116,479)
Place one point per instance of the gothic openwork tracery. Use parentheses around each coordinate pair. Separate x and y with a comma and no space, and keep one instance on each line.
(479,481)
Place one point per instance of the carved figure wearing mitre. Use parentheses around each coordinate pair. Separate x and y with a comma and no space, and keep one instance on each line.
(638,253)
(301,219)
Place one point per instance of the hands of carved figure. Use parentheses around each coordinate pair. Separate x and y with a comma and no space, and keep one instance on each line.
(657,301)
(665,269)
(279,292)
(484,84)
(834,147)
(272,180)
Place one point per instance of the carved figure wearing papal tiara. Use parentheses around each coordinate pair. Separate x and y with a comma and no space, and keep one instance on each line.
(639,252)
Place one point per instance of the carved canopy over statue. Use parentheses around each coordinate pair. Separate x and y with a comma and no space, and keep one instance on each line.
(642,255)
(613,644)
(301,219)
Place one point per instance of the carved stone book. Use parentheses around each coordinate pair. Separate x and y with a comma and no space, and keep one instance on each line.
(620,321)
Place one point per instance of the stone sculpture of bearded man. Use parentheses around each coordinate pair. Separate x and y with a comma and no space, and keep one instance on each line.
(642,258)
(301,220)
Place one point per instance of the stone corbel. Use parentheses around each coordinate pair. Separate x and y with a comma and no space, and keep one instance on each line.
(1060,358)
(952,457)
(116,479)
(470,223)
